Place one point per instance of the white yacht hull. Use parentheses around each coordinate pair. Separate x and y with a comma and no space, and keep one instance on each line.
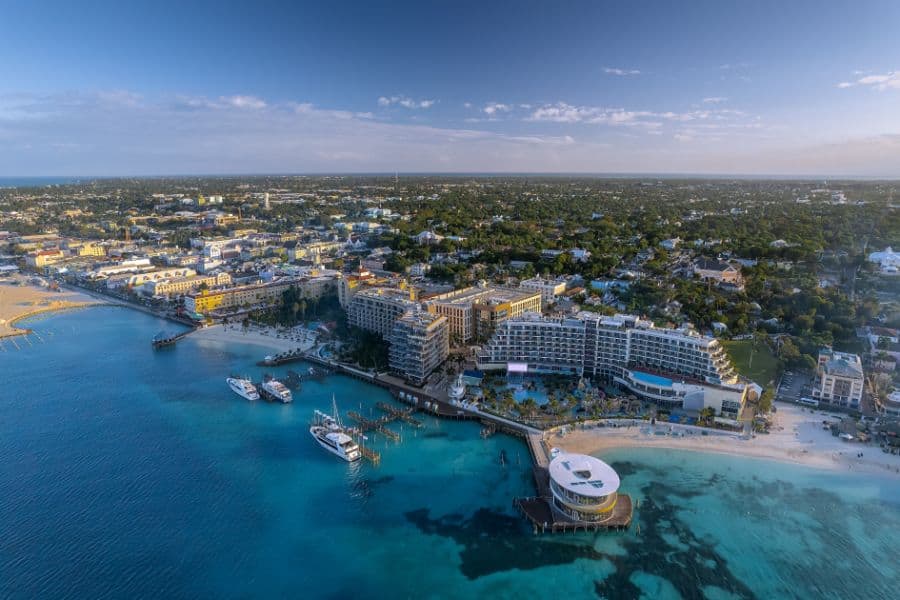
(356,456)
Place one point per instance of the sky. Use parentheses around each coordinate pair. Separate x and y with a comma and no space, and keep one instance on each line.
(707,87)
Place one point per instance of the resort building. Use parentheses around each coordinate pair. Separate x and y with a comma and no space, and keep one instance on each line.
(376,309)
(42,258)
(550,289)
(474,312)
(184,285)
(676,368)
(839,379)
(245,296)
(584,488)
(419,343)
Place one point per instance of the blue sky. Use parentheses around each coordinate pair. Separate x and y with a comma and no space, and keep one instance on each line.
(131,88)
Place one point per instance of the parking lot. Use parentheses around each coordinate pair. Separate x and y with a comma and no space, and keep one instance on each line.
(794,385)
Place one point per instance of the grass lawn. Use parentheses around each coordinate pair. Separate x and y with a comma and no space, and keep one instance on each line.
(765,366)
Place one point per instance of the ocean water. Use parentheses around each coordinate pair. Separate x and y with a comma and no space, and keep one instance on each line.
(132,473)
(7,182)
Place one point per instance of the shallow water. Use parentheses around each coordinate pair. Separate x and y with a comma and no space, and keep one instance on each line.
(128,472)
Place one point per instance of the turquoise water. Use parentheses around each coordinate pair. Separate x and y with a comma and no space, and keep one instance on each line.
(126,472)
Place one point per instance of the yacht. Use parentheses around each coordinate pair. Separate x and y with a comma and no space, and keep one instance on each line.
(276,390)
(330,434)
(243,388)
(458,389)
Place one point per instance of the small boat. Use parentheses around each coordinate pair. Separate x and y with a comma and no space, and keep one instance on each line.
(328,431)
(243,388)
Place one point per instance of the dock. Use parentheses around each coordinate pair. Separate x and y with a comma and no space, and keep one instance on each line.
(537,509)
(367,425)
(162,342)
(404,415)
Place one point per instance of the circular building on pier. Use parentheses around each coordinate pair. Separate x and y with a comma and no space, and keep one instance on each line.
(584,488)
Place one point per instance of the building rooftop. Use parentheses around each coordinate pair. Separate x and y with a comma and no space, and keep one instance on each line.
(584,475)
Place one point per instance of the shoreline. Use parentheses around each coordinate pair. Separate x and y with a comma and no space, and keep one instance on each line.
(263,338)
(800,440)
(24,300)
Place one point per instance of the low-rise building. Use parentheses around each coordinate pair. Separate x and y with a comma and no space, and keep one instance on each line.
(550,289)
(184,285)
(719,271)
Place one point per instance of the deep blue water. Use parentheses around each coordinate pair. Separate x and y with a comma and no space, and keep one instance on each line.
(6,182)
(129,473)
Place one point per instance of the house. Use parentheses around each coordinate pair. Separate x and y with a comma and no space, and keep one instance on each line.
(717,270)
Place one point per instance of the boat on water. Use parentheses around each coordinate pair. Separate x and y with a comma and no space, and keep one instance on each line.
(243,388)
(276,390)
(328,431)
(458,389)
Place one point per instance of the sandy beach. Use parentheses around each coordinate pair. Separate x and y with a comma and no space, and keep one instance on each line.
(263,337)
(797,437)
(25,299)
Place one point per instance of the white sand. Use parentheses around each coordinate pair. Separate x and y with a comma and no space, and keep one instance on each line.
(25,299)
(265,338)
(797,437)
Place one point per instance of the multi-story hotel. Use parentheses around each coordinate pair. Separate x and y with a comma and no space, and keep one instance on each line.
(376,309)
(839,379)
(419,343)
(474,312)
(676,368)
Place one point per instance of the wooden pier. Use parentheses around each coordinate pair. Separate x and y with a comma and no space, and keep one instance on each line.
(404,415)
(162,342)
(544,520)
(367,425)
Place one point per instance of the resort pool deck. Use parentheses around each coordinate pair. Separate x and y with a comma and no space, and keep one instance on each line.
(649,379)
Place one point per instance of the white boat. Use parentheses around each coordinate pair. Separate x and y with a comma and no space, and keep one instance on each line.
(458,389)
(330,434)
(243,388)
(277,391)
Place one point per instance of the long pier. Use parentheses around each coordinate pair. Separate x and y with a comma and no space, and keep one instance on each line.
(367,425)
(171,340)
(404,415)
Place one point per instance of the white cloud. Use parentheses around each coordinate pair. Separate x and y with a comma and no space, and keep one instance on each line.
(492,108)
(715,100)
(888,81)
(467,105)
(562,112)
(620,72)
(405,102)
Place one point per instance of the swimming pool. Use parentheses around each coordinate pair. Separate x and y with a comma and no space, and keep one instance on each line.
(649,379)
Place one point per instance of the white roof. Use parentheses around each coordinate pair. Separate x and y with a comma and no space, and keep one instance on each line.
(584,475)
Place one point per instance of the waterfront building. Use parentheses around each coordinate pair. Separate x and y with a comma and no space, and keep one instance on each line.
(474,312)
(550,289)
(139,279)
(376,309)
(419,343)
(42,258)
(676,368)
(584,489)
(184,285)
(839,379)
(207,301)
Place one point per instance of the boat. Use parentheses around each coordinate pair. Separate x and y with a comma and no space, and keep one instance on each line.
(328,431)
(243,388)
(276,390)
(458,389)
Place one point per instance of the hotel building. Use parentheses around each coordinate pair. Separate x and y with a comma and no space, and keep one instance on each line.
(675,368)
(419,343)
(247,296)
(550,289)
(839,379)
(184,285)
(376,309)
(474,312)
